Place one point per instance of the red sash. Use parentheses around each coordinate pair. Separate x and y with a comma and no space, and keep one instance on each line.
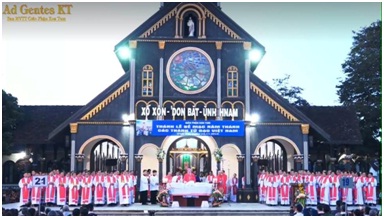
(311,187)
(50,194)
(36,194)
(75,194)
(74,190)
(99,188)
(333,191)
(369,188)
(111,189)
(323,179)
(62,189)
(25,190)
(123,191)
(85,194)
(272,190)
(284,189)
(85,191)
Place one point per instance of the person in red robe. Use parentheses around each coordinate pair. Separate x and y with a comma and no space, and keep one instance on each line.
(189,176)
(272,192)
(110,185)
(262,187)
(224,182)
(61,184)
(284,184)
(36,191)
(25,185)
(124,184)
(98,182)
(333,189)
(371,184)
(73,186)
(324,188)
(50,190)
(311,191)
(86,189)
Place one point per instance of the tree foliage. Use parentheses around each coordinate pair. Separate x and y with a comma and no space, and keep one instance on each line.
(291,93)
(361,87)
(11,117)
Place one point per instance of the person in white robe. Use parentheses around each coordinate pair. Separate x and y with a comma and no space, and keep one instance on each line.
(371,184)
(124,189)
(324,189)
(110,186)
(360,186)
(25,185)
(74,187)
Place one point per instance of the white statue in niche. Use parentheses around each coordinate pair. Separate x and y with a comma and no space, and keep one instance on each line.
(191,26)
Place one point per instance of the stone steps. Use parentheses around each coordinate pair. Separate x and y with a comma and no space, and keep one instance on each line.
(194,213)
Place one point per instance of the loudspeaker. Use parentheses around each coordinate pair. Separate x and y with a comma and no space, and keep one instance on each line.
(262,162)
(111,162)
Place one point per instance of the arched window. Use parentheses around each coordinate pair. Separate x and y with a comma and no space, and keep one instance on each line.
(232,82)
(147,81)
(10,173)
(103,152)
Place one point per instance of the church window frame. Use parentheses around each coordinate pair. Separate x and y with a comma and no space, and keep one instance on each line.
(147,81)
(232,82)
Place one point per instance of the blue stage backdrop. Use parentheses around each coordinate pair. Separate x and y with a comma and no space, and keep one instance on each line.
(189,128)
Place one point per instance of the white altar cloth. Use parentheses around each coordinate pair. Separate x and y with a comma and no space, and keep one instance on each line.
(190,189)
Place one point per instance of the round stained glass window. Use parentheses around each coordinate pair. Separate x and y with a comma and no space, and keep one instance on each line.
(190,70)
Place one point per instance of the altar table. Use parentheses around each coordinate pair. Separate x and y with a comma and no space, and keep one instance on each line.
(190,194)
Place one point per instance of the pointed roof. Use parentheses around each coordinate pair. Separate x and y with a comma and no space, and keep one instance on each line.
(340,122)
(282,105)
(165,13)
(39,121)
(95,105)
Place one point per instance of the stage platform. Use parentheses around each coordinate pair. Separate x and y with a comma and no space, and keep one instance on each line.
(225,209)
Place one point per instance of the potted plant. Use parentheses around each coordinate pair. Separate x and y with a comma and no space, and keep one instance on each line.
(218,155)
(300,194)
(162,197)
(217,197)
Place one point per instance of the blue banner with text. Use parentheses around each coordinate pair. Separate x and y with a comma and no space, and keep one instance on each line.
(189,128)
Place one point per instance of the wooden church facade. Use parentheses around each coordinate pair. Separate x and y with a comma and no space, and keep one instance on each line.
(189,91)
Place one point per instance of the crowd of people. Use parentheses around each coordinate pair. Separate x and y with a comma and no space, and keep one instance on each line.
(43,211)
(102,188)
(340,210)
(320,187)
(98,188)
